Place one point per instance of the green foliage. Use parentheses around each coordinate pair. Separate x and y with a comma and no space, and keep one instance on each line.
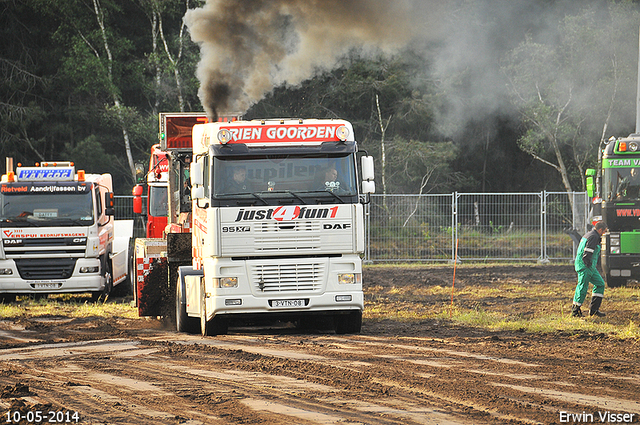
(569,89)
(59,86)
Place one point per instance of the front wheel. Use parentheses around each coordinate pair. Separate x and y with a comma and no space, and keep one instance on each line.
(350,323)
(108,283)
(615,282)
(217,325)
(184,323)
(7,298)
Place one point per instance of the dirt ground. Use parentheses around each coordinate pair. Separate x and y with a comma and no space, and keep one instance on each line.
(125,371)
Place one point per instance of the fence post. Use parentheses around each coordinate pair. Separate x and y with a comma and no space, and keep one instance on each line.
(544,258)
(454,224)
(367,226)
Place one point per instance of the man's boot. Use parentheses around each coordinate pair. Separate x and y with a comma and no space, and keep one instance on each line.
(594,307)
(575,311)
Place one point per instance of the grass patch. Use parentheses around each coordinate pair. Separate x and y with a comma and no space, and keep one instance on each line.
(505,304)
(542,324)
(68,305)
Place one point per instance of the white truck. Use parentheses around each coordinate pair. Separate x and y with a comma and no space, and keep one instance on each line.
(277,226)
(58,233)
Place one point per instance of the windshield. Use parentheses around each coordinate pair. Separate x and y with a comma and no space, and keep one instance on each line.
(46,204)
(158,201)
(621,184)
(331,177)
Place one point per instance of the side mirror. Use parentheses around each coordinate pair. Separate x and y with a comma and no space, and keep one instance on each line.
(368,185)
(367,168)
(197,192)
(109,204)
(137,199)
(195,173)
(139,172)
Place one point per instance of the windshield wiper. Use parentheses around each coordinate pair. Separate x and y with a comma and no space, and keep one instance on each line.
(20,221)
(239,196)
(76,221)
(329,193)
(294,194)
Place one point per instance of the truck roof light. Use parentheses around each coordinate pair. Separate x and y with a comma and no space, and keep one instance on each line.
(342,133)
(81,176)
(633,146)
(224,136)
(622,147)
(11,176)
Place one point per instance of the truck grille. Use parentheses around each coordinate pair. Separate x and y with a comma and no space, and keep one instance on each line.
(54,247)
(303,277)
(45,268)
(287,236)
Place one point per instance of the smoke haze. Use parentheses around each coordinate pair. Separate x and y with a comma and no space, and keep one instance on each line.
(249,47)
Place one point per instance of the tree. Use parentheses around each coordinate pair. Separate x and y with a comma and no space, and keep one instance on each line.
(566,90)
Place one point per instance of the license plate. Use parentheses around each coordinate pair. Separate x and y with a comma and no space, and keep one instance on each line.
(46,286)
(287,303)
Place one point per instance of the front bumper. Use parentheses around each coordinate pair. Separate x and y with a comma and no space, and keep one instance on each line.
(12,282)
(623,265)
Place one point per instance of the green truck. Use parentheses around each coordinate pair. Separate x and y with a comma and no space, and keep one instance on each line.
(615,194)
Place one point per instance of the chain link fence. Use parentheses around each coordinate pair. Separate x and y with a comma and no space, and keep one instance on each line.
(538,226)
(124,211)
(543,226)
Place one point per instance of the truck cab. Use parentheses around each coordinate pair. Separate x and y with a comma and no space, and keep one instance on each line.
(58,232)
(616,199)
(278,225)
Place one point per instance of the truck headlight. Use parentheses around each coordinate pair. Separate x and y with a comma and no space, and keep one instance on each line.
(615,250)
(349,278)
(92,269)
(226,282)
(6,271)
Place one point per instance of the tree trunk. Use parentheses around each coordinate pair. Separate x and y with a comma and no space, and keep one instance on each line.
(383,155)
(174,62)
(116,101)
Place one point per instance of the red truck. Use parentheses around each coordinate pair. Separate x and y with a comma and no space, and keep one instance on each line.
(168,203)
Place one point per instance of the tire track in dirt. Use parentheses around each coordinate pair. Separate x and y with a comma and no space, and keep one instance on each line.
(308,379)
(121,371)
(126,382)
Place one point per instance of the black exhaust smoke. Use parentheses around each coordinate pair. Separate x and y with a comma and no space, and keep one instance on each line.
(249,47)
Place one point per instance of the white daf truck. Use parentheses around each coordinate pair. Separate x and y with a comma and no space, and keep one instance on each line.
(58,233)
(278,225)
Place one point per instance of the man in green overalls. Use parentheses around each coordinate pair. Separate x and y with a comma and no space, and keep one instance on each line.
(585,264)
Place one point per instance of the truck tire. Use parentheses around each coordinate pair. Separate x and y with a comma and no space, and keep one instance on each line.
(7,298)
(184,323)
(217,325)
(108,284)
(350,323)
(125,288)
(169,292)
(615,282)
